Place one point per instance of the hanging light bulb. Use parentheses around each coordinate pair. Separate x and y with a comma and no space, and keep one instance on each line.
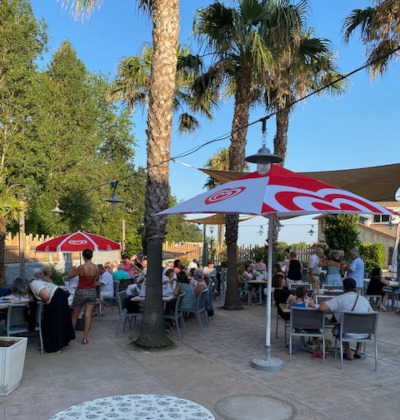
(263,158)
(311,231)
(114,200)
(261,231)
(57,211)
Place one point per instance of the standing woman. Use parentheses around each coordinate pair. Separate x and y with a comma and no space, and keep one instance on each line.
(334,275)
(57,329)
(294,270)
(85,294)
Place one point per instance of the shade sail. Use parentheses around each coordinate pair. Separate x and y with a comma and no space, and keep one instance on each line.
(216,219)
(377,183)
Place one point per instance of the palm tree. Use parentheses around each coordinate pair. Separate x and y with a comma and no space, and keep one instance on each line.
(131,86)
(380,32)
(10,209)
(305,67)
(243,41)
(219,162)
(165,34)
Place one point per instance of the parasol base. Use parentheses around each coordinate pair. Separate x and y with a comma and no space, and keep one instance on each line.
(271,365)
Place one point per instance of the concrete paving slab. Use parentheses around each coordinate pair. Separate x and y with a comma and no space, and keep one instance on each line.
(208,368)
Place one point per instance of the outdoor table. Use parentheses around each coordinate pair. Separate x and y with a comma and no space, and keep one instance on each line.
(391,288)
(258,283)
(166,298)
(136,407)
(285,308)
(7,300)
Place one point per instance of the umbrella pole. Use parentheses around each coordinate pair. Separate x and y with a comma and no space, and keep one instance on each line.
(268,363)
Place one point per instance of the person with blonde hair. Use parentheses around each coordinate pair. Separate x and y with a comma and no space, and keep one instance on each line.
(46,270)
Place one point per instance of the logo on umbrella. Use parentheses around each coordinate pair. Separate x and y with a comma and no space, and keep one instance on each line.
(224,194)
(76,243)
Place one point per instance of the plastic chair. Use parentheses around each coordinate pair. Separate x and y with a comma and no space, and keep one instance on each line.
(123,313)
(200,308)
(358,323)
(97,304)
(177,315)
(223,281)
(375,300)
(305,322)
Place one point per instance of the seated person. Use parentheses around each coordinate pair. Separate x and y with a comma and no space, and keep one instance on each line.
(242,280)
(120,274)
(301,299)
(349,301)
(375,286)
(189,302)
(105,282)
(168,282)
(132,307)
(281,294)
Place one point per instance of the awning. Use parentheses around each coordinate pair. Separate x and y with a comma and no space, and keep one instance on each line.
(376,183)
(216,219)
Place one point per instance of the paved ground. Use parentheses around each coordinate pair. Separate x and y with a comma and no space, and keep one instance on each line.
(210,367)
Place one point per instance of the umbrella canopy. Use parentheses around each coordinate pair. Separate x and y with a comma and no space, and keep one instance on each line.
(78,242)
(281,193)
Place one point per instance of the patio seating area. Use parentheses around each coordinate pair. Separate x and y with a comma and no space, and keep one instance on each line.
(209,367)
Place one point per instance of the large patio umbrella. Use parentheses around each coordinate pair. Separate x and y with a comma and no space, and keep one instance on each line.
(279,193)
(78,242)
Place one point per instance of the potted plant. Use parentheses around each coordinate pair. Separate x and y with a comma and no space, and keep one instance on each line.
(12,358)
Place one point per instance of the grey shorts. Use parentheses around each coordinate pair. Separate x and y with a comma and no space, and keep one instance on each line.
(84,296)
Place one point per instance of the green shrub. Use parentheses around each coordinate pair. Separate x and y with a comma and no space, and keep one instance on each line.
(373,255)
(57,275)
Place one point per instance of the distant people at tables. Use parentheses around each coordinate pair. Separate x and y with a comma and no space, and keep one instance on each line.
(85,294)
(276,268)
(349,301)
(137,259)
(294,270)
(114,265)
(342,263)
(209,272)
(375,286)
(108,267)
(242,280)
(333,265)
(127,265)
(168,282)
(315,270)
(260,265)
(170,264)
(356,268)
(105,282)
(287,259)
(189,301)
(57,328)
(120,274)
(193,264)
(301,299)
(281,294)
(250,274)
(199,283)
(177,267)
(47,273)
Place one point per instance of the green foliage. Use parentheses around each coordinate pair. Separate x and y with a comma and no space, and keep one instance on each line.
(373,255)
(342,231)
(57,275)
(299,245)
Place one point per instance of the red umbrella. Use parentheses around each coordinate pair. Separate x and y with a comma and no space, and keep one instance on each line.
(77,242)
(279,193)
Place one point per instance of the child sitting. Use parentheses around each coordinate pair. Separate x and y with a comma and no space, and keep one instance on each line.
(301,299)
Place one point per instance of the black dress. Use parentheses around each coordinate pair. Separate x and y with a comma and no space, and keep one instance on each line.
(375,287)
(281,296)
(294,272)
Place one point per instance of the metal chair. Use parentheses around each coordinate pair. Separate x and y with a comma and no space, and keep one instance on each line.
(200,308)
(112,300)
(223,281)
(375,300)
(305,322)
(358,323)
(123,313)
(97,305)
(177,315)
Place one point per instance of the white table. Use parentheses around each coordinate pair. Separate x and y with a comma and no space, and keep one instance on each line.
(260,284)
(136,407)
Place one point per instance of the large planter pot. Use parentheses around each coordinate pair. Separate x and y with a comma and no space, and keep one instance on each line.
(12,364)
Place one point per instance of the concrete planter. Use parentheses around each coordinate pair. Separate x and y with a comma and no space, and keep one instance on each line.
(12,361)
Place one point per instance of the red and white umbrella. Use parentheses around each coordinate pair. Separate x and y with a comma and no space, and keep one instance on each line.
(279,193)
(78,242)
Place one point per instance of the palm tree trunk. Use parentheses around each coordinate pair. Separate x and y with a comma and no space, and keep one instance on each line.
(236,163)
(281,138)
(3,233)
(165,16)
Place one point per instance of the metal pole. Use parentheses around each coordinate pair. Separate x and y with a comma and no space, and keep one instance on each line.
(205,250)
(123,235)
(22,239)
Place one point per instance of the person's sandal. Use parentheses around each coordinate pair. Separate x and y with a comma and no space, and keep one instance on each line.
(357,356)
(85,341)
(345,357)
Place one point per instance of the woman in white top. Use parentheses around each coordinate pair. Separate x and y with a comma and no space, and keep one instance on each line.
(57,330)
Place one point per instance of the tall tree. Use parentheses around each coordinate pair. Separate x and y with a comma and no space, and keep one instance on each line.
(243,41)
(165,34)
(379,28)
(341,231)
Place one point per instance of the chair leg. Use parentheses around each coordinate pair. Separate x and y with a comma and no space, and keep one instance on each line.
(178,331)
(119,321)
(290,347)
(199,321)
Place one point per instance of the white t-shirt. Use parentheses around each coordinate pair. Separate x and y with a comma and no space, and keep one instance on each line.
(37,285)
(313,263)
(344,303)
(106,290)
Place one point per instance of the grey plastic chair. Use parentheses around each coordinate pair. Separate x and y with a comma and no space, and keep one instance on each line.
(358,323)
(177,315)
(123,313)
(306,322)
(200,308)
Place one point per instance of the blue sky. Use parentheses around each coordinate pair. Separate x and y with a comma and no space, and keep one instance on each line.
(357,129)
